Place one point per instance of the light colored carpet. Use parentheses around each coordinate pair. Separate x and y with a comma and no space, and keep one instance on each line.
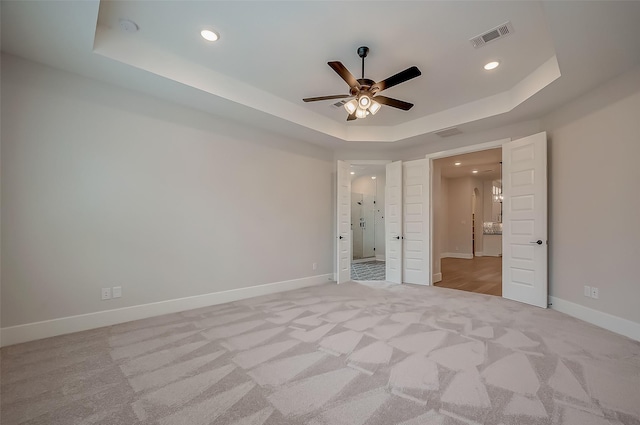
(355,354)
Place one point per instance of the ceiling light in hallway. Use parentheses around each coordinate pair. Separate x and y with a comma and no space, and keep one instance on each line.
(209,35)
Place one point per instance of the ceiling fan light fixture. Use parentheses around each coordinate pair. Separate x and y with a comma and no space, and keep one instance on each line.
(364,101)
(361,113)
(375,107)
(351,106)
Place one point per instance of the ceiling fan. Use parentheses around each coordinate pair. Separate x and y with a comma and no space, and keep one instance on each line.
(367,100)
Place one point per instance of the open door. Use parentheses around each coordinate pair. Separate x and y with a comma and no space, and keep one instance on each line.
(524,232)
(393,222)
(416,247)
(343,220)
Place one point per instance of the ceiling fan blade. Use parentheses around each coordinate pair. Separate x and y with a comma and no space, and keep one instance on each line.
(345,74)
(394,80)
(395,103)
(351,117)
(335,96)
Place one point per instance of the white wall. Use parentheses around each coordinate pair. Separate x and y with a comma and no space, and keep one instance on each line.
(477,187)
(594,198)
(102,187)
(0,179)
(438,209)
(458,238)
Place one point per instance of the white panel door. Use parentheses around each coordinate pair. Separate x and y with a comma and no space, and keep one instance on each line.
(343,220)
(524,232)
(415,207)
(393,222)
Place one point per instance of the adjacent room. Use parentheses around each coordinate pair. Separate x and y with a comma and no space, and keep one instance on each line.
(310,212)
(468,222)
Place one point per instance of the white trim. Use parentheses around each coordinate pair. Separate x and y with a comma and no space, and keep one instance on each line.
(468,149)
(369,161)
(364,260)
(456,255)
(381,257)
(64,325)
(479,254)
(437,277)
(604,320)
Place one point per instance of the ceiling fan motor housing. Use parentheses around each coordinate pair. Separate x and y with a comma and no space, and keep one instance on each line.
(365,84)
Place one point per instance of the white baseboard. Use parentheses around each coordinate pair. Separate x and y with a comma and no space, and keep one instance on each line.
(381,257)
(64,325)
(604,320)
(363,260)
(437,277)
(456,255)
(479,254)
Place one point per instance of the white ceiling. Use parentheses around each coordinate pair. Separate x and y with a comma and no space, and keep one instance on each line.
(272,54)
(367,170)
(486,162)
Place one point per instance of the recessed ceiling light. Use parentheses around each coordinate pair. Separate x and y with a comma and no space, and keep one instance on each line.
(373,177)
(353,172)
(457,163)
(491,65)
(475,171)
(209,35)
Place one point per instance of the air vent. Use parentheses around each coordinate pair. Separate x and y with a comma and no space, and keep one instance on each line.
(448,132)
(492,35)
(339,104)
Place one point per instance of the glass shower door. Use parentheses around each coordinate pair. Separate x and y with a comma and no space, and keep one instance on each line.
(363,225)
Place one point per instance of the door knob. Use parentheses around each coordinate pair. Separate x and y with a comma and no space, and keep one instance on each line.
(397,237)
(539,242)
(340,237)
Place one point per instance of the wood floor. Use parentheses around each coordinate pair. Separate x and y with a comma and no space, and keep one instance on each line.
(482,275)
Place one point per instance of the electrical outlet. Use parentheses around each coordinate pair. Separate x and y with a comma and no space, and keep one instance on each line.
(116,291)
(314,266)
(587,291)
(595,293)
(106,294)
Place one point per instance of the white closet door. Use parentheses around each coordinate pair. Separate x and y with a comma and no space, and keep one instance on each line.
(393,222)
(415,253)
(524,233)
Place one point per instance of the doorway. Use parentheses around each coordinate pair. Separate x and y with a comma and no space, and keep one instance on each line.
(467,233)
(524,235)
(367,220)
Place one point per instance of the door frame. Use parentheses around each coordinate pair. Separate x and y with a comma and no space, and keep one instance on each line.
(444,154)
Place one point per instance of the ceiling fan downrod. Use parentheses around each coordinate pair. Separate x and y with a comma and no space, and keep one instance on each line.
(363,51)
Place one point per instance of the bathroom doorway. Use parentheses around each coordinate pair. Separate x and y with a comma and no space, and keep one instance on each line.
(367,221)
